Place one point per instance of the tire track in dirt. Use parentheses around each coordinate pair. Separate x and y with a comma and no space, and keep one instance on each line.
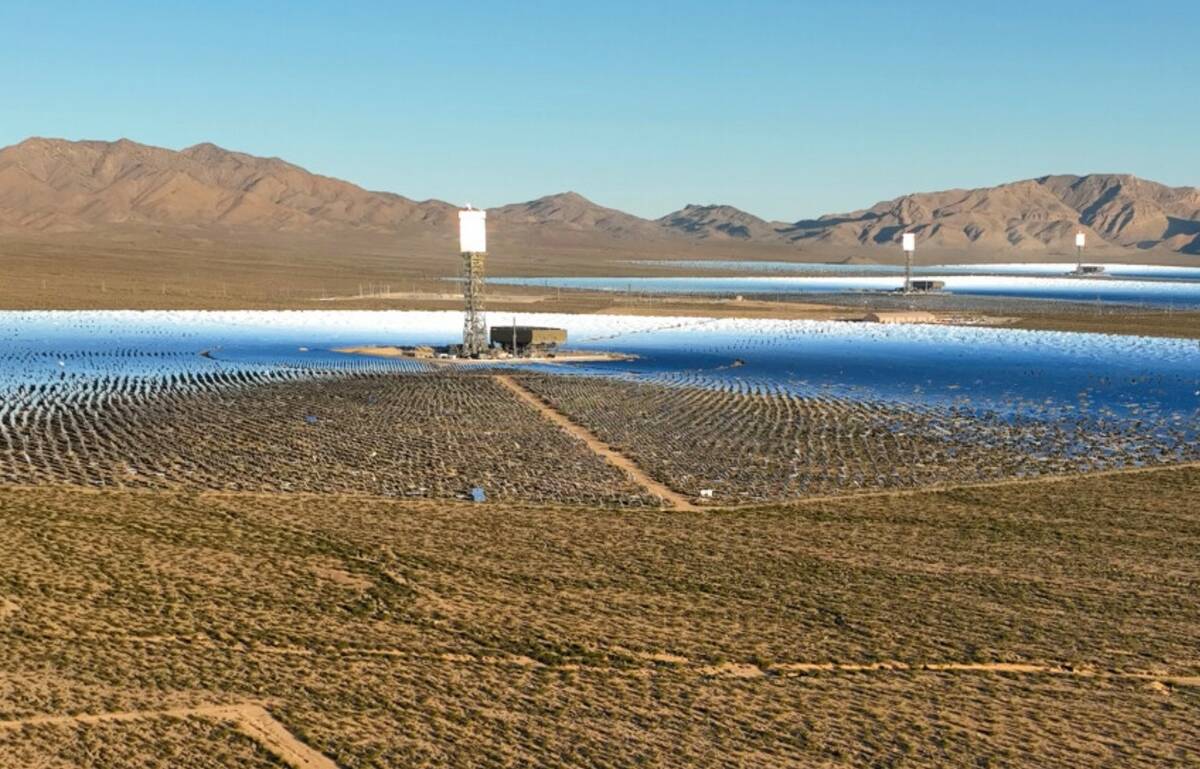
(1010,668)
(609,454)
(656,662)
(251,719)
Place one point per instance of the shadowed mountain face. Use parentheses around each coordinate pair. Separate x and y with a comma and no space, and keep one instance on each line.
(719,222)
(1131,211)
(1021,215)
(52,185)
(1028,215)
(571,211)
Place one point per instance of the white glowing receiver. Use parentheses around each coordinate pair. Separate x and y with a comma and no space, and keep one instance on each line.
(1079,240)
(472,231)
(909,240)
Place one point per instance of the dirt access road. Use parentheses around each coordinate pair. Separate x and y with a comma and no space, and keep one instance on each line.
(674,499)
(251,719)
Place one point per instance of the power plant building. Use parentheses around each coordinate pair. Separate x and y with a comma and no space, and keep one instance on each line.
(528,337)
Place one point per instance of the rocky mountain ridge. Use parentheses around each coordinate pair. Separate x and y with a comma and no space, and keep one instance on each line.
(55,185)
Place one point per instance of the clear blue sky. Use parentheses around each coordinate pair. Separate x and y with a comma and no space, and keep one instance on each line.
(785,109)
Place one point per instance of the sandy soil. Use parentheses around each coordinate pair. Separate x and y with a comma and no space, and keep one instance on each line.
(981,485)
(1044,624)
(1035,623)
(427,296)
(252,719)
(187,269)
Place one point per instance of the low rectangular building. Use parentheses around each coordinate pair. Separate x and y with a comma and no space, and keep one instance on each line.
(528,337)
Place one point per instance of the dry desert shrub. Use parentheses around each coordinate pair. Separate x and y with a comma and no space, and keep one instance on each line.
(423,633)
(152,743)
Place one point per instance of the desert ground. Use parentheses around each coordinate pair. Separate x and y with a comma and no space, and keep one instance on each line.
(1047,623)
(288,574)
(189,270)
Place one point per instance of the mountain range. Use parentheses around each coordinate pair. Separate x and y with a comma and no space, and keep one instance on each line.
(52,186)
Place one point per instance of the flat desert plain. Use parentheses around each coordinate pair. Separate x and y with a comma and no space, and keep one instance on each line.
(169,269)
(1047,623)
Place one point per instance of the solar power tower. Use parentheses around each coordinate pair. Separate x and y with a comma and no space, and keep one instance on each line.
(472,238)
(909,242)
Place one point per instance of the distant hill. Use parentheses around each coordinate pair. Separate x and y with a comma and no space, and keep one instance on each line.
(57,186)
(1023,215)
(1131,211)
(572,211)
(1030,215)
(719,222)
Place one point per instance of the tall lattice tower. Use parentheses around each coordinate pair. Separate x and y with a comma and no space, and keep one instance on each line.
(472,238)
(909,241)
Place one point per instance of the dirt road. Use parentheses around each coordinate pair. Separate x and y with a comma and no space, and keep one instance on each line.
(611,455)
(251,719)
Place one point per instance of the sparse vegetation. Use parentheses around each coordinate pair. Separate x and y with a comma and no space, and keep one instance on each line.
(421,633)
(154,743)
